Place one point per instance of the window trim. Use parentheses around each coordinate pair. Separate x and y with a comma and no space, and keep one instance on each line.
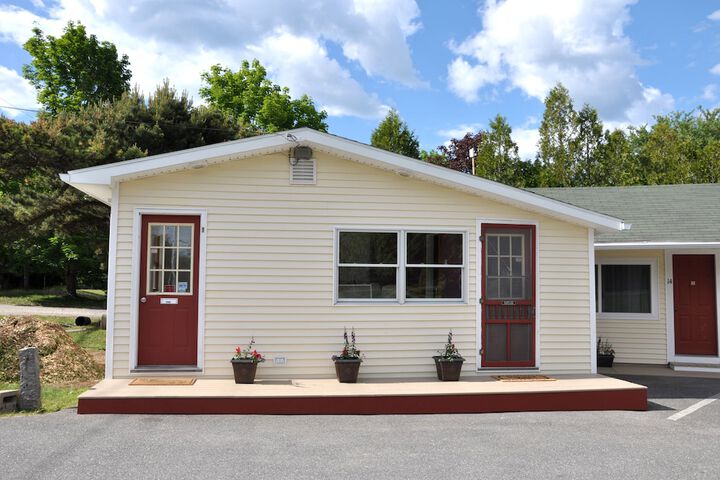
(654,305)
(401,266)
(162,270)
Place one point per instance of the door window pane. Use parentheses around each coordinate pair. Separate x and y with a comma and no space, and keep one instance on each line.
(496,342)
(520,339)
(169,268)
(508,264)
(626,289)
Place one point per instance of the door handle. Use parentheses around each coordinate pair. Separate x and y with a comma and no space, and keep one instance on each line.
(143,300)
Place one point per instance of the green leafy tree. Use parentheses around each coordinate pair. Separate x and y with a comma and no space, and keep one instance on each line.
(260,105)
(497,156)
(586,146)
(394,135)
(75,69)
(557,131)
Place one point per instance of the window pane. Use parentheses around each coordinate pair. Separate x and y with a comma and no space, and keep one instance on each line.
(169,282)
(156,235)
(155,257)
(433,283)
(520,347)
(517,245)
(435,248)
(492,266)
(496,344)
(154,281)
(626,289)
(183,282)
(186,236)
(368,247)
(367,282)
(504,245)
(184,255)
(170,259)
(492,245)
(170,236)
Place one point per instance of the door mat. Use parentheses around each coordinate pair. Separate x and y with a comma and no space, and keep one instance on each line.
(524,378)
(160,381)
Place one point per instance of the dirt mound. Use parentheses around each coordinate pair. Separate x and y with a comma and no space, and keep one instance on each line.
(62,361)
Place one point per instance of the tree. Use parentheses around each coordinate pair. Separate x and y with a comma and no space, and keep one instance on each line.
(75,69)
(586,146)
(394,135)
(459,153)
(47,225)
(557,131)
(497,157)
(260,105)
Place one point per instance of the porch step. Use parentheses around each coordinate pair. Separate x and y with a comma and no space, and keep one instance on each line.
(695,367)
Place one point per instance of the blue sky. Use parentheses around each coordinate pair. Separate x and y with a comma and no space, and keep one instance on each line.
(447,67)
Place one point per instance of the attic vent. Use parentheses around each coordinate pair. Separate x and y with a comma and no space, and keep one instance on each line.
(302,171)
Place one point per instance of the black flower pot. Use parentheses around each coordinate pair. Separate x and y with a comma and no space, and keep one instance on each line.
(448,369)
(244,369)
(347,369)
(605,360)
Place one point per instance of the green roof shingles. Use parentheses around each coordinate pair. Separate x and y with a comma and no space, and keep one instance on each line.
(658,213)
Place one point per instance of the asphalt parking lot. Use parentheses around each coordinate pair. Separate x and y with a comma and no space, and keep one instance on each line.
(572,445)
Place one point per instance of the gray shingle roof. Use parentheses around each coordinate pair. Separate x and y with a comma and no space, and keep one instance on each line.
(658,213)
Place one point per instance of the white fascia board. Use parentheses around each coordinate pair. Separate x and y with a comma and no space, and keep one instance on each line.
(99,192)
(426,171)
(344,148)
(654,245)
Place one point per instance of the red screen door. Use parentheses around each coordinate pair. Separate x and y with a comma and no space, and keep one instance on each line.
(508,296)
(695,307)
(168,298)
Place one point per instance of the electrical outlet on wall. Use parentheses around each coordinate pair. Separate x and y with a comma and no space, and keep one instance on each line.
(280,361)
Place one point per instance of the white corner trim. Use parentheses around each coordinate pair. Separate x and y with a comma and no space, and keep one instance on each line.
(479,252)
(111,281)
(593,314)
(135,276)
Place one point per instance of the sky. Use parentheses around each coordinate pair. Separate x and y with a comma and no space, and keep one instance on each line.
(447,67)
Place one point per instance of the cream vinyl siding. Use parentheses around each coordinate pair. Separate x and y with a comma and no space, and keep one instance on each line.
(638,341)
(270,268)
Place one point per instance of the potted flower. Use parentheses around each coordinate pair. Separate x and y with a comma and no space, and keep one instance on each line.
(347,364)
(449,363)
(245,363)
(605,353)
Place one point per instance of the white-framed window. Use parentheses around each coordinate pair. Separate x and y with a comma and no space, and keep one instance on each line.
(400,266)
(626,288)
(170,258)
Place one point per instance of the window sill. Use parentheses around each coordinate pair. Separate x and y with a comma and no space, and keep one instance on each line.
(352,303)
(627,316)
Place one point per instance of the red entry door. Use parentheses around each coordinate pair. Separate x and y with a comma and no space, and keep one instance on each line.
(508,295)
(695,306)
(168,298)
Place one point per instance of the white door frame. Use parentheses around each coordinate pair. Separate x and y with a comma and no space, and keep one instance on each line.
(135,278)
(670,306)
(479,253)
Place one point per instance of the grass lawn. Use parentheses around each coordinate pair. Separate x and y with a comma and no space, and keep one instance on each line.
(54,397)
(53,298)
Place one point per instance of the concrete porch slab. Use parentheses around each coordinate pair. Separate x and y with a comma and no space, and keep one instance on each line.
(328,396)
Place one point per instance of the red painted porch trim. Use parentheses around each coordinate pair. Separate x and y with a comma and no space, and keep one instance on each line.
(628,399)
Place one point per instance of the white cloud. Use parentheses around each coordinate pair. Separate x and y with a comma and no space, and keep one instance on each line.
(167,40)
(714,15)
(15,91)
(716,69)
(710,92)
(527,141)
(460,130)
(533,45)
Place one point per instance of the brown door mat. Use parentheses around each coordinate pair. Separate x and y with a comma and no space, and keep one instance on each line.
(160,381)
(523,378)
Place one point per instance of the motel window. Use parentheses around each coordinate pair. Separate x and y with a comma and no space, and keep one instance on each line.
(400,266)
(626,288)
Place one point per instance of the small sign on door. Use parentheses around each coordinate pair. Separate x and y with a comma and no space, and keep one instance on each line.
(168,301)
